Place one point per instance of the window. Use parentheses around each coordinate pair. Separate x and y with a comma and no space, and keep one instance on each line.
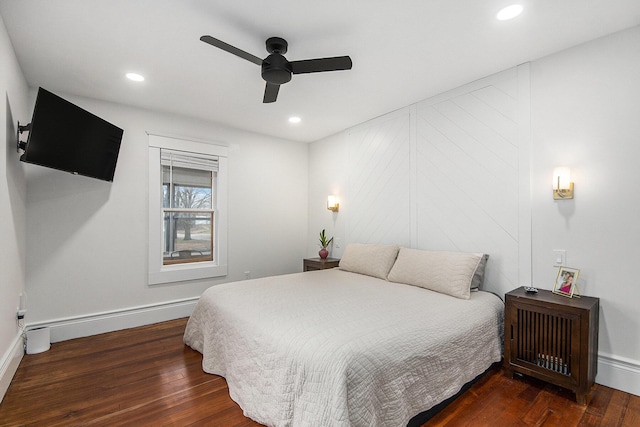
(188,206)
(187,210)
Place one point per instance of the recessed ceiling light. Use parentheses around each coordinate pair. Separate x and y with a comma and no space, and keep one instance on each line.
(294,119)
(135,77)
(509,12)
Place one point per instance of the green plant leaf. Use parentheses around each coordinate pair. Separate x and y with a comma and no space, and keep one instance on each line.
(323,239)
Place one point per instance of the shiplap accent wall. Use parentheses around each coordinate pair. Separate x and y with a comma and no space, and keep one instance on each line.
(449,173)
(379,181)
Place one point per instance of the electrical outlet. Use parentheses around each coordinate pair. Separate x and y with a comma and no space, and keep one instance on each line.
(247,274)
(337,243)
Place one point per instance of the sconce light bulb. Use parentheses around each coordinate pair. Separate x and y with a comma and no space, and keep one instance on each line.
(562,185)
(332,203)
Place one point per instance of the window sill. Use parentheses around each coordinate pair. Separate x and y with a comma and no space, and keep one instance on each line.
(183,272)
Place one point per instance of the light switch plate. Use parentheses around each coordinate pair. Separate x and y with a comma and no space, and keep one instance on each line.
(559,257)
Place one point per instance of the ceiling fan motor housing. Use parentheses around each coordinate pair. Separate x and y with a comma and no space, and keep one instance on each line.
(276,69)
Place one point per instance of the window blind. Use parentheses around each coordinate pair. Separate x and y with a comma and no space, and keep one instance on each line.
(181,159)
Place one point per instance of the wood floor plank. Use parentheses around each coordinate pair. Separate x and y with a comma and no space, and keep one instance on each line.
(615,412)
(147,376)
(632,415)
(497,399)
(597,407)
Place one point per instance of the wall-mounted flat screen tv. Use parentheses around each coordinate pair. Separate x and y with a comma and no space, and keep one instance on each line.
(66,137)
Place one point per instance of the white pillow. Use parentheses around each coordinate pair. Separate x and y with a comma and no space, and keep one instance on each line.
(478,276)
(370,259)
(451,273)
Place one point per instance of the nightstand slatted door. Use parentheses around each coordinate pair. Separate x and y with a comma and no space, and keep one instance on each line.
(544,340)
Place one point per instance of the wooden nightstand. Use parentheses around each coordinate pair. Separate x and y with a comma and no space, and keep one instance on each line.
(552,338)
(310,264)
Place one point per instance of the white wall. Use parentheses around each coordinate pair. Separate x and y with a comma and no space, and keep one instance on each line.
(328,175)
(443,174)
(584,111)
(87,239)
(13,107)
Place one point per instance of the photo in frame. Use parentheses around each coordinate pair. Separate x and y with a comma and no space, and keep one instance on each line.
(567,282)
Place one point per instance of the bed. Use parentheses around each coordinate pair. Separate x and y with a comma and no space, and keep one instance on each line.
(349,346)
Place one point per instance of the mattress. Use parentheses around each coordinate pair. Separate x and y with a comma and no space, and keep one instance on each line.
(334,348)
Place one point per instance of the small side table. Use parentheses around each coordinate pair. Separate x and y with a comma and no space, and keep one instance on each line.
(310,264)
(553,338)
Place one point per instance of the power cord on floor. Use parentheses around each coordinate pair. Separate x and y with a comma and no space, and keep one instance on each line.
(20,319)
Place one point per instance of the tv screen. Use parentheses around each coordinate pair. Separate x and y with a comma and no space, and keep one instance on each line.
(64,136)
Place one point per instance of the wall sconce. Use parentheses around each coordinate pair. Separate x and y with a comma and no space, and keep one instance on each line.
(332,203)
(562,185)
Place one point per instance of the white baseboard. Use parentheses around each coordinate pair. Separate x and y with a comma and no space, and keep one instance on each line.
(98,323)
(619,373)
(9,363)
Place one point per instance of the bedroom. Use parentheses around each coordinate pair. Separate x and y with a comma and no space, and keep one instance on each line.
(584,108)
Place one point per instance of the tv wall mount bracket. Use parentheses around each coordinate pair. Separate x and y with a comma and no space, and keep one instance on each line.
(22,145)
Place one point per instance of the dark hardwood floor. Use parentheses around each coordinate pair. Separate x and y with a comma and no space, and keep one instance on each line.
(147,376)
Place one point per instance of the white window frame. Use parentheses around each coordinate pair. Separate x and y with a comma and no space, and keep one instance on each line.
(159,273)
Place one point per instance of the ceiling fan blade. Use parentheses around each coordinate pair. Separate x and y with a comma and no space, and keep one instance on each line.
(321,64)
(231,49)
(270,93)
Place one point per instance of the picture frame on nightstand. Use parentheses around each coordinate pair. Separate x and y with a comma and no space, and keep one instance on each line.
(567,282)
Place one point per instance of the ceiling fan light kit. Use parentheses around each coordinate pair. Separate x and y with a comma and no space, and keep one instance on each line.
(276,69)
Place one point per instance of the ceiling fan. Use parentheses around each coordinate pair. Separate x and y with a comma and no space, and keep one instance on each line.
(276,69)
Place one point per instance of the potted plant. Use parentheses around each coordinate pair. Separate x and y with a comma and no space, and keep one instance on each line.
(324,242)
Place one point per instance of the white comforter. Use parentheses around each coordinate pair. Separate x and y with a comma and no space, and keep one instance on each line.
(332,348)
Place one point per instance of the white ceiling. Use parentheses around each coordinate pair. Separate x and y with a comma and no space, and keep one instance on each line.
(402,51)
